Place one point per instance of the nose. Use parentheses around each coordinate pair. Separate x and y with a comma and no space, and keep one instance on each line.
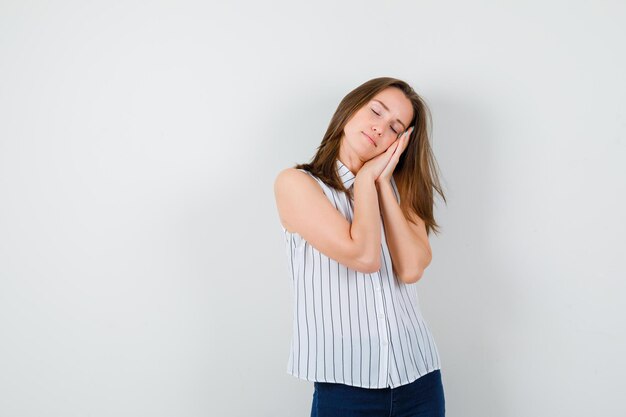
(377,130)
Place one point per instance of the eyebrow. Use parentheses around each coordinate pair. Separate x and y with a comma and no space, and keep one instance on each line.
(387,108)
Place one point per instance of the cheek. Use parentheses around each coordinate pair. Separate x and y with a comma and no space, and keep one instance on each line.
(388,144)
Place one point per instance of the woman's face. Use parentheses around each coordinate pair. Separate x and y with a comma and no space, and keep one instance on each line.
(374,127)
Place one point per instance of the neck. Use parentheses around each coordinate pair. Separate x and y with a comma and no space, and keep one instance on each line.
(350,159)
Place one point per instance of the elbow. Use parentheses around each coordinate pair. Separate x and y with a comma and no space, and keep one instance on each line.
(367,263)
(411,277)
(374,266)
(370,266)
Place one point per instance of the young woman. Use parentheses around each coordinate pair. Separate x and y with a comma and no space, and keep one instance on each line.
(356,222)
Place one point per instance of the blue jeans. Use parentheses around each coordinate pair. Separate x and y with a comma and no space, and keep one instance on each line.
(423,397)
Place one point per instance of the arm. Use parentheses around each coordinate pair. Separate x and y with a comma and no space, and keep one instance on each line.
(304,208)
(366,222)
(408,243)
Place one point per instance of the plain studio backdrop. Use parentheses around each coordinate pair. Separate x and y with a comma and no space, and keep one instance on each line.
(142,265)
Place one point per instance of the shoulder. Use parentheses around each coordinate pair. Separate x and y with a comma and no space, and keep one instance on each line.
(292,176)
(296,192)
(291,179)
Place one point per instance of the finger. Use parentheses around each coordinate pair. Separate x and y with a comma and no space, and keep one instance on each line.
(406,141)
(406,136)
(401,147)
(401,141)
(395,148)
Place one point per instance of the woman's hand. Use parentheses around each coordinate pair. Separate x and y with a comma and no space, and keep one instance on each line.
(377,164)
(399,146)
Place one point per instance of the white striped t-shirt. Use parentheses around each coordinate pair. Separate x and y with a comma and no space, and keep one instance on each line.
(349,327)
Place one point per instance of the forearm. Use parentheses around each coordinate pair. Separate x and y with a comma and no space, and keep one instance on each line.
(409,247)
(366,226)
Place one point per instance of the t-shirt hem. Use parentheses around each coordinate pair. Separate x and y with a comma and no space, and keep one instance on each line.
(338,381)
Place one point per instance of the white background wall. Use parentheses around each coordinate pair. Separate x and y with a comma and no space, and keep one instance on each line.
(142,267)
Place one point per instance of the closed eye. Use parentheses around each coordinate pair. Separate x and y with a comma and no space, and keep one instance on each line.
(394,130)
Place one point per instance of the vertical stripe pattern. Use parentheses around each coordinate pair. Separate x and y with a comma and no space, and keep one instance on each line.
(349,327)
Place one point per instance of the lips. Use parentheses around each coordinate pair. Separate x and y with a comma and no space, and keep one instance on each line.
(373,143)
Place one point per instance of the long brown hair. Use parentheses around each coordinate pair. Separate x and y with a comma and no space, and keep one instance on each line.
(415,174)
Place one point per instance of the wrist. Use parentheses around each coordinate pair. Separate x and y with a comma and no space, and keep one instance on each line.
(381,183)
(366,175)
